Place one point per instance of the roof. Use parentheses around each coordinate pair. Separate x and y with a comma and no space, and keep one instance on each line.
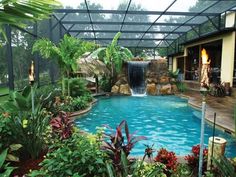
(159,27)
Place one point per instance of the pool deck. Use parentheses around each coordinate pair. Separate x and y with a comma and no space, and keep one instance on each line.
(222,106)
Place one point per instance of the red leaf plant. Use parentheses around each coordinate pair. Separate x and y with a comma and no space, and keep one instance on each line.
(118,143)
(193,159)
(168,158)
(62,125)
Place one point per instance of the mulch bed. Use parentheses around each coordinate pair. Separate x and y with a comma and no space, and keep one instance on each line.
(26,164)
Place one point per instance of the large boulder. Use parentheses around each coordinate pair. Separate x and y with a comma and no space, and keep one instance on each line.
(122,80)
(125,89)
(164,79)
(151,89)
(165,89)
(174,88)
(115,89)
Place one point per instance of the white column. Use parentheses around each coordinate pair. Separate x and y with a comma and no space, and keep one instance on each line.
(227,58)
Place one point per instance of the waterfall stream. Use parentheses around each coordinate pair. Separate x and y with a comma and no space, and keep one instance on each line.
(136,77)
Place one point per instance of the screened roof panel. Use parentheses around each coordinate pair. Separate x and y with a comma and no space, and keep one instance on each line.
(128,43)
(140,18)
(183,29)
(222,6)
(156,5)
(86,35)
(131,35)
(150,22)
(198,20)
(145,43)
(107,27)
(135,27)
(106,5)
(81,27)
(186,6)
(76,17)
(105,35)
(173,19)
(107,17)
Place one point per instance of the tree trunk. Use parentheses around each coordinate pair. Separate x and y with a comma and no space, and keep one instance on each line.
(68,83)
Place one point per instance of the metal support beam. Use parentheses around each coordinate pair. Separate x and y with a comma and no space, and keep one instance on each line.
(215,26)
(59,20)
(9,58)
(124,31)
(51,69)
(125,15)
(90,19)
(130,23)
(129,39)
(197,32)
(36,56)
(92,11)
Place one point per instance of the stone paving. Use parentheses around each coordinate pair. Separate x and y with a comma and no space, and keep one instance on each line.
(222,106)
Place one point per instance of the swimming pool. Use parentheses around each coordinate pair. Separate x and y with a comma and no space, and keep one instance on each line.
(166,121)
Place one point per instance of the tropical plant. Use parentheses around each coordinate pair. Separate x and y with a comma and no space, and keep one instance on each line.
(5,131)
(27,129)
(119,144)
(167,158)
(148,152)
(182,170)
(76,156)
(22,102)
(217,90)
(62,125)
(5,169)
(193,159)
(182,87)
(225,167)
(113,55)
(65,53)
(174,74)
(17,12)
(105,84)
(135,168)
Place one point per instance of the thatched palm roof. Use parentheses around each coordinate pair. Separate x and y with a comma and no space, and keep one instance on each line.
(91,67)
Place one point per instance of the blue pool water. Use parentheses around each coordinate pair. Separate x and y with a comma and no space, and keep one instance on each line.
(166,121)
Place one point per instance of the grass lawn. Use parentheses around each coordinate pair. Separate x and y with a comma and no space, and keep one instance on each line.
(4,90)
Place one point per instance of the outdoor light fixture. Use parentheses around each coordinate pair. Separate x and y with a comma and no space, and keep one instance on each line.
(31,82)
(203,90)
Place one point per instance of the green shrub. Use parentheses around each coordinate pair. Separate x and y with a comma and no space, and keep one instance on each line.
(5,169)
(105,84)
(77,87)
(76,156)
(182,87)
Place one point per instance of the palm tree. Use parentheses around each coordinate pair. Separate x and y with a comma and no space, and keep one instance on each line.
(113,55)
(65,53)
(18,12)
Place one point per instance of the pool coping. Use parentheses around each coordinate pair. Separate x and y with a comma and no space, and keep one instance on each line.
(208,115)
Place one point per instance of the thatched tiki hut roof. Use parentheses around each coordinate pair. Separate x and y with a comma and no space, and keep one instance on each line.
(91,66)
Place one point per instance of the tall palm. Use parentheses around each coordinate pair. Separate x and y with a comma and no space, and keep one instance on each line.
(18,12)
(65,53)
(113,55)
